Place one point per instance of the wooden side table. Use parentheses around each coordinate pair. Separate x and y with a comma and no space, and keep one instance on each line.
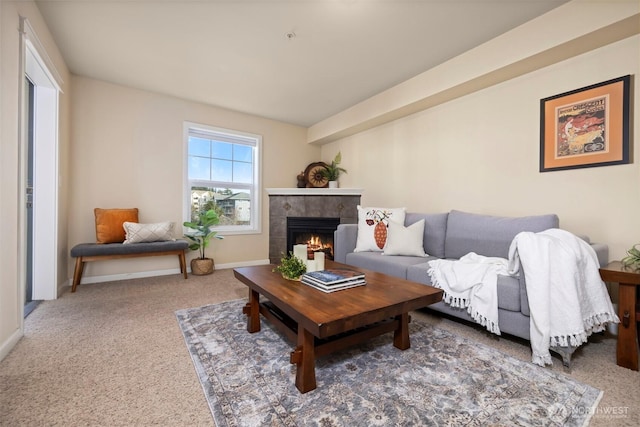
(628,311)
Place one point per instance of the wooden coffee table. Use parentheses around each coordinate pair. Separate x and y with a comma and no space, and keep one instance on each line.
(320,323)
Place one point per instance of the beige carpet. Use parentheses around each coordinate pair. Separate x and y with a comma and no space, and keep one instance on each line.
(112,354)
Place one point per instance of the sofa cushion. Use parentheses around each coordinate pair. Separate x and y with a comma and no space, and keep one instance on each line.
(489,235)
(508,286)
(509,293)
(391,265)
(435,227)
(372,227)
(405,241)
(418,273)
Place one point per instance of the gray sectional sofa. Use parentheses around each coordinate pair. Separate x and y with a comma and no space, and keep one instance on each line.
(452,235)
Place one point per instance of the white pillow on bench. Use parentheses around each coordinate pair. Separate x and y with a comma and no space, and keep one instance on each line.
(144,233)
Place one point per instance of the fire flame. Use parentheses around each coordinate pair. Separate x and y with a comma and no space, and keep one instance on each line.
(315,244)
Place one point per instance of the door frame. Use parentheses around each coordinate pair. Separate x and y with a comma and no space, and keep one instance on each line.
(37,66)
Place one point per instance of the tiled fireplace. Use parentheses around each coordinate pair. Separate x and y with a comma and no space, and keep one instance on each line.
(316,233)
(308,215)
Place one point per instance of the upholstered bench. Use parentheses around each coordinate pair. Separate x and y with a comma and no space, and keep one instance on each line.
(87,252)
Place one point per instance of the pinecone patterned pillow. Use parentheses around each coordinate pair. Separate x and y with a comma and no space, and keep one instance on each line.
(372,227)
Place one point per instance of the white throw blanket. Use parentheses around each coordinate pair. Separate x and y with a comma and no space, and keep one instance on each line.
(567,298)
(472,283)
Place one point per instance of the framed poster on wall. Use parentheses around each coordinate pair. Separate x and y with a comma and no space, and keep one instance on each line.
(586,127)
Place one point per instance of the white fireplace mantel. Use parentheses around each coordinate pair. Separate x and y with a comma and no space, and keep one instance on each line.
(314,191)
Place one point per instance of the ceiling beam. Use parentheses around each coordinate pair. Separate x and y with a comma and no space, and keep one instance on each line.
(451,80)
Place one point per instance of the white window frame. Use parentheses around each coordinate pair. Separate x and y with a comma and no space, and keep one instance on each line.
(213,132)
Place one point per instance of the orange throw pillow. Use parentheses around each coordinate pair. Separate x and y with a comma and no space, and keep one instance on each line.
(109,222)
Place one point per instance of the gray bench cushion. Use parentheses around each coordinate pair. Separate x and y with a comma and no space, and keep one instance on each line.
(100,249)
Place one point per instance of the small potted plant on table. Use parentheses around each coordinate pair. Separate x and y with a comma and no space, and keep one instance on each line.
(291,267)
(200,239)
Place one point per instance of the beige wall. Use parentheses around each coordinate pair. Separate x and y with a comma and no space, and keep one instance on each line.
(11,224)
(477,153)
(127,151)
(480,153)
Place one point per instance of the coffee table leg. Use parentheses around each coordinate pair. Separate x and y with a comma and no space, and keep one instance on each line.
(401,335)
(252,310)
(305,359)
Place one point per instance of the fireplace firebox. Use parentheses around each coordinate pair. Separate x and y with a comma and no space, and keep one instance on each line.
(316,203)
(316,233)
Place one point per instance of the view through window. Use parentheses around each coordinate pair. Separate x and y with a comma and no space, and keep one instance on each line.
(222,170)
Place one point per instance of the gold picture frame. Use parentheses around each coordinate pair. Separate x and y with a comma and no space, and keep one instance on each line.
(586,127)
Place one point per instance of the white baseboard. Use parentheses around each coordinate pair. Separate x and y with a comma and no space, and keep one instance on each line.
(8,345)
(242,264)
(112,277)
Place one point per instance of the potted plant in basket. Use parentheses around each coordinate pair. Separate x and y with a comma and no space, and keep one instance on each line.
(332,172)
(200,238)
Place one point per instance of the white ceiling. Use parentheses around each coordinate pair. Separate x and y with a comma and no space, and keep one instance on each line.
(236,54)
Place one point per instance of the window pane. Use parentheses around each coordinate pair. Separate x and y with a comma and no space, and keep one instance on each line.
(242,173)
(199,168)
(221,170)
(232,205)
(242,153)
(222,150)
(202,199)
(199,147)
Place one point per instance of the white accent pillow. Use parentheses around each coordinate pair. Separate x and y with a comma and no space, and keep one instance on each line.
(406,241)
(142,233)
(372,227)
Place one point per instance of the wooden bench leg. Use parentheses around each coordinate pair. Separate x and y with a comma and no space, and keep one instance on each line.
(77,273)
(183,264)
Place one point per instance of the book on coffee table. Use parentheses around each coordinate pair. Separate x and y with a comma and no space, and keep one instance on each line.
(334,276)
(332,288)
(334,279)
(355,281)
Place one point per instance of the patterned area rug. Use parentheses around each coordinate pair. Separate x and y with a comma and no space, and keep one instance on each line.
(442,380)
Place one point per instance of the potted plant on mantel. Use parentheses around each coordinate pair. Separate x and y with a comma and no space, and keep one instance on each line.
(332,172)
(200,238)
